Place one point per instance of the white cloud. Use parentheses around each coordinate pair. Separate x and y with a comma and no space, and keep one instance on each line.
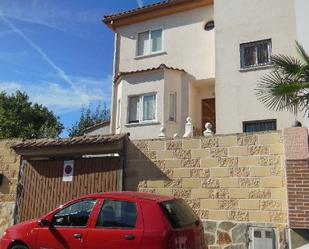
(61,99)
(9,87)
(42,12)
(60,72)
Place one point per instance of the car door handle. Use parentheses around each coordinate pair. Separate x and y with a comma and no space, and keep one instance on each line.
(129,237)
(77,236)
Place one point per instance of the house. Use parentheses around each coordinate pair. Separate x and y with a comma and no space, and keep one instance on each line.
(200,59)
(101,128)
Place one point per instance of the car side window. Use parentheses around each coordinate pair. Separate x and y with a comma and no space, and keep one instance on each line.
(117,214)
(75,215)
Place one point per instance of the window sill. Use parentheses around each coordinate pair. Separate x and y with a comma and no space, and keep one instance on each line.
(255,68)
(142,124)
(149,55)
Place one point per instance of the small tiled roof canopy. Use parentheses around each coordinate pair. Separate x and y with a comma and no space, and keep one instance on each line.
(98,125)
(151,11)
(75,145)
(161,67)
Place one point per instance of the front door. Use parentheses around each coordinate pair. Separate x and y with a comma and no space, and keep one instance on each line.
(68,229)
(118,226)
(209,113)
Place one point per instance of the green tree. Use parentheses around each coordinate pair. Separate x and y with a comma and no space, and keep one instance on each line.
(89,118)
(19,118)
(287,86)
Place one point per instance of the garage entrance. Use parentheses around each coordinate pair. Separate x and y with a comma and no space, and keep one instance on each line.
(97,167)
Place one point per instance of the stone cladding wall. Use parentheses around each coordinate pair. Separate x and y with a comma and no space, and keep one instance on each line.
(231,181)
(9,167)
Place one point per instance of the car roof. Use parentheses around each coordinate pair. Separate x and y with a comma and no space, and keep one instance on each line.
(130,195)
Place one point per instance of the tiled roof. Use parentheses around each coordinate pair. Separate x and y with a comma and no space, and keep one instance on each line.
(108,18)
(100,124)
(161,67)
(60,142)
(162,8)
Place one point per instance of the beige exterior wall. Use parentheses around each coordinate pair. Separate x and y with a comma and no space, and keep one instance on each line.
(105,130)
(9,167)
(241,21)
(214,56)
(187,28)
(136,85)
(184,41)
(302,20)
(162,83)
(198,91)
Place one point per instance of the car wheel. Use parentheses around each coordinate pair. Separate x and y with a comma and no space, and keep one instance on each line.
(19,247)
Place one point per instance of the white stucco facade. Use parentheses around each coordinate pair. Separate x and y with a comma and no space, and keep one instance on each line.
(211,64)
(236,101)
(184,41)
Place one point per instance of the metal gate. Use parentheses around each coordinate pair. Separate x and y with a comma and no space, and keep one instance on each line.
(43,189)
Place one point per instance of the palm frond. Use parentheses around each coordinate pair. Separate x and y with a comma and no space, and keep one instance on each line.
(302,53)
(288,65)
(287,86)
(278,93)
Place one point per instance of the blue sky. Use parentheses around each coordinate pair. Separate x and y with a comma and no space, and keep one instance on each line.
(59,52)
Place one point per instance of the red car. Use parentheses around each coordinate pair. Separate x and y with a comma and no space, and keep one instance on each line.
(124,220)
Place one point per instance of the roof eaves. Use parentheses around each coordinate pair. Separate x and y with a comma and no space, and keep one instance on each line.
(163,8)
(160,67)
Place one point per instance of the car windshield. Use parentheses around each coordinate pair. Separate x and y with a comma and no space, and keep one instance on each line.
(179,214)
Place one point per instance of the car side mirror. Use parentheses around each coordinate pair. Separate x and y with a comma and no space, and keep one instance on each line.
(43,223)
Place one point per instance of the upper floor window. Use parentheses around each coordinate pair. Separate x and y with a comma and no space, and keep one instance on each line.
(142,108)
(254,54)
(149,42)
(172,107)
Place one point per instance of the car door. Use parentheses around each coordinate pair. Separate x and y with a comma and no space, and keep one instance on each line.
(68,228)
(119,225)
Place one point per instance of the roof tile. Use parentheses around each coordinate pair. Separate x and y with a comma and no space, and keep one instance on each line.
(59,142)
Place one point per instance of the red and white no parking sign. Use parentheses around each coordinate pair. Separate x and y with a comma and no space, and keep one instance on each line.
(68,170)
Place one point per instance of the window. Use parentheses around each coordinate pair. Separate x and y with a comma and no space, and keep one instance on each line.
(179,214)
(172,107)
(255,53)
(142,108)
(262,238)
(209,25)
(149,42)
(118,113)
(117,214)
(263,125)
(75,215)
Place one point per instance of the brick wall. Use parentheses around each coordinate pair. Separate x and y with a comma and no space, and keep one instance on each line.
(228,180)
(298,193)
(9,166)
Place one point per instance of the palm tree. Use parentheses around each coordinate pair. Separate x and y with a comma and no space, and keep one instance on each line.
(287,86)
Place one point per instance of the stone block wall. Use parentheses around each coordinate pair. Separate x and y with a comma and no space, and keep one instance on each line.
(9,167)
(228,180)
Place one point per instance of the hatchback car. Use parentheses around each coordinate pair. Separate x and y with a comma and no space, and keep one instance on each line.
(120,220)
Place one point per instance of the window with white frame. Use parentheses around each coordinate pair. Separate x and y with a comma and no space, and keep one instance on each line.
(172,107)
(262,238)
(149,42)
(142,108)
(254,54)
